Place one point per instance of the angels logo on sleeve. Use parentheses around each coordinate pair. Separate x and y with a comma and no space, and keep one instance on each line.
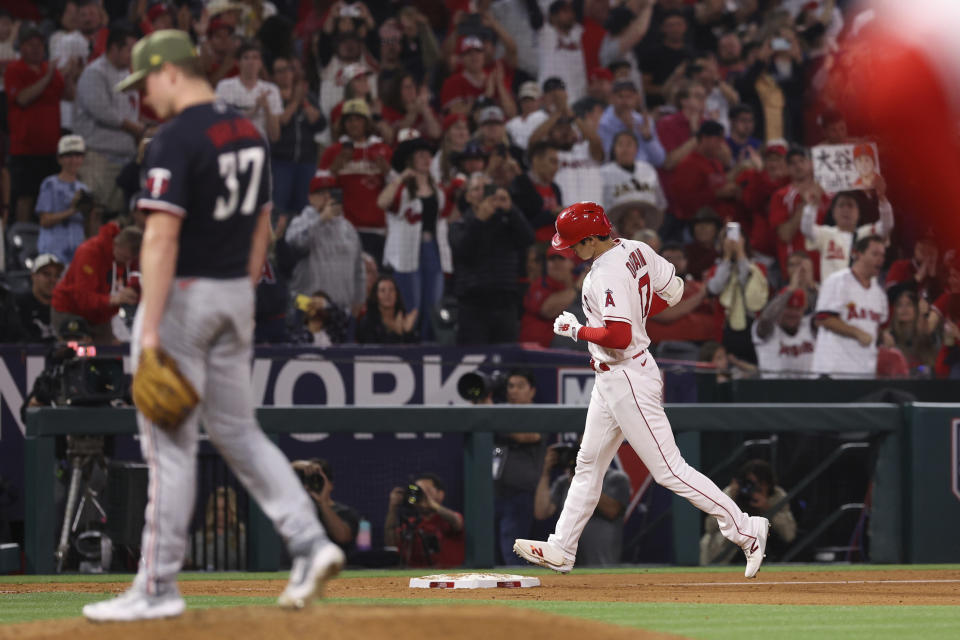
(158,181)
(609,301)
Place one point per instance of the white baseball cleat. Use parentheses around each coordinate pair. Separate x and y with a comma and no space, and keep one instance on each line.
(135,605)
(310,573)
(756,551)
(544,554)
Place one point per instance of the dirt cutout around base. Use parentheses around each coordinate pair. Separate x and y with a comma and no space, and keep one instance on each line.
(336,622)
(876,587)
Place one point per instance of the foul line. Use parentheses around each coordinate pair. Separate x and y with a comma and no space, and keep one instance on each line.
(800,583)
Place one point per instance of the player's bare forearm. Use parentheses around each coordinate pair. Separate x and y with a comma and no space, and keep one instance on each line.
(258,246)
(158,261)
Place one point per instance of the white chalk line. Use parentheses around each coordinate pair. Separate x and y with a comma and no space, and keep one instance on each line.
(801,583)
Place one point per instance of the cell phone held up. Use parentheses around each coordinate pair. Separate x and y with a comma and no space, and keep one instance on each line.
(733,231)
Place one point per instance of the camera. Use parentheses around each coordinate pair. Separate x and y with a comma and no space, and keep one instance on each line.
(75,375)
(477,385)
(744,492)
(337,195)
(413,495)
(566,455)
(85,202)
(311,481)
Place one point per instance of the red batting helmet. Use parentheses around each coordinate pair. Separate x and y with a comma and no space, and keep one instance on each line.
(579,221)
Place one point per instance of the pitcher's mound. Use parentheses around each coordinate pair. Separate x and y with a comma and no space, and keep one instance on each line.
(335,622)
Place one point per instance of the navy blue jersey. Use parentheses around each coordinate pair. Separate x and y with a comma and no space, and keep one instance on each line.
(210,166)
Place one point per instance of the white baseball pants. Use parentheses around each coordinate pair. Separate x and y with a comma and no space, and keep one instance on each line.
(625,403)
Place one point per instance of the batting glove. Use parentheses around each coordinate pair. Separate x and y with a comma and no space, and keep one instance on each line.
(566,324)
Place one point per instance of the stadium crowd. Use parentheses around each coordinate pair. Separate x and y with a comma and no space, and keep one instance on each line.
(421,150)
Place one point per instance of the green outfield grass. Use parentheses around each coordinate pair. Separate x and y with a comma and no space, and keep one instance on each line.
(706,621)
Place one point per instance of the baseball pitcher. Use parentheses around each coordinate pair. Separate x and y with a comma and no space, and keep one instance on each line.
(208,198)
(625,403)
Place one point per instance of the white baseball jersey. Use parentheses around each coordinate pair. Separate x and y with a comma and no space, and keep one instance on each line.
(842,295)
(643,181)
(619,288)
(783,355)
(835,246)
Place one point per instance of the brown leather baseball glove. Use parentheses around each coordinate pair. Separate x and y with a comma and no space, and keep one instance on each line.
(162,394)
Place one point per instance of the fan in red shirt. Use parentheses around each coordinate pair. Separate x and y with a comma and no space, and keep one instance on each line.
(549,296)
(361,162)
(159,15)
(426,533)
(34,89)
(786,208)
(700,179)
(922,269)
(95,284)
(217,53)
(463,88)
(941,307)
(757,186)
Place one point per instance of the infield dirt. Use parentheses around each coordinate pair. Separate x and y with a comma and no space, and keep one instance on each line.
(338,621)
(876,587)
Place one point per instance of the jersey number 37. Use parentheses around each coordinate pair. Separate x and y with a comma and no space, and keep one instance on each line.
(234,165)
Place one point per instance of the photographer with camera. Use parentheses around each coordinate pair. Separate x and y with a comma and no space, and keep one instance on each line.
(601,543)
(755,488)
(98,281)
(426,533)
(340,521)
(517,460)
(64,203)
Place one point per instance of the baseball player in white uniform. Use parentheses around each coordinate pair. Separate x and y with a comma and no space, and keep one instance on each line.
(625,402)
(851,308)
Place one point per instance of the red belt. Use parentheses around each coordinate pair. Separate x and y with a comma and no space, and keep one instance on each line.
(602,366)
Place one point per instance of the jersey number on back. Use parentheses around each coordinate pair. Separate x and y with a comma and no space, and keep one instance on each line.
(248,162)
(643,287)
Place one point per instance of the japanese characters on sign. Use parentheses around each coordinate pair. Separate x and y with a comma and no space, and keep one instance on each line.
(846,167)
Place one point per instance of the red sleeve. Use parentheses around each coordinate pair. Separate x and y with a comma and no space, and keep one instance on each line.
(89,284)
(14,80)
(615,335)
(533,301)
(940,304)
(326,160)
(778,211)
(940,367)
(671,136)
(657,304)
(450,91)
(691,188)
(900,271)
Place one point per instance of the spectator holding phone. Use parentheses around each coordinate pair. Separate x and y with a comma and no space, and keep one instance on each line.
(360,161)
(416,248)
(741,287)
(333,262)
